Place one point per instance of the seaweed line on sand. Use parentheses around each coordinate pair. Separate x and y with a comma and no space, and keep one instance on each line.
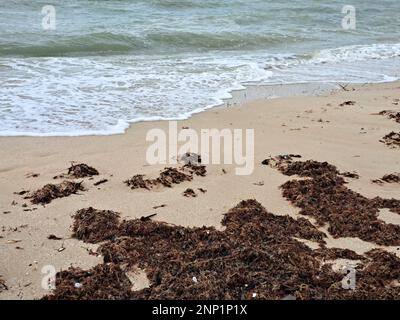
(3,285)
(393,115)
(168,177)
(392,139)
(53,191)
(78,171)
(388,178)
(255,257)
(325,197)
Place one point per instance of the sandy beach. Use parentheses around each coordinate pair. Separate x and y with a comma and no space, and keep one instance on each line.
(320,128)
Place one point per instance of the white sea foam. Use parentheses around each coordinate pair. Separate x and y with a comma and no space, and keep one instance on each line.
(358,53)
(74,96)
(67,96)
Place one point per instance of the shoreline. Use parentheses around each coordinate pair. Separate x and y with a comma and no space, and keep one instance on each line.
(316,127)
(238,97)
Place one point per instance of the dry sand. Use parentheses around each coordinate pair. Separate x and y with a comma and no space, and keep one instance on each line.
(315,127)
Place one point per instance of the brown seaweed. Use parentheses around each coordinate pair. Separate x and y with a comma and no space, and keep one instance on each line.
(91,225)
(326,198)
(53,191)
(198,170)
(138,181)
(53,237)
(392,139)
(189,193)
(171,176)
(393,115)
(100,182)
(347,103)
(168,177)
(388,178)
(103,282)
(255,257)
(81,170)
(3,285)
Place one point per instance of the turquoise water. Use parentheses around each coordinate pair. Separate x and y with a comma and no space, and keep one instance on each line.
(110,63)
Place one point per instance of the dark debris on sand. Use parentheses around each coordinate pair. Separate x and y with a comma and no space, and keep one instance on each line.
(171,176)
(100,182)
(53,191)
(392,139)
(139,182)
(147,218)
(347,103)
(82,170)
(103,282)
(255,257)
(189,193)
(54,237)
(91,225)
(77,171)
(394,115)
(391,204)
(282,157)
(198,170)
(3,285)
(326,198)
(388,178)
(337,253)
(352,175)
(307,168)
(168,177)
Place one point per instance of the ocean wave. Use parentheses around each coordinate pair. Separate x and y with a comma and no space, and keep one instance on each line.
(358,53)
(104,43)
(186,4)
(219,41)
(70,96)
(158,43)
(96,96)
(101,43)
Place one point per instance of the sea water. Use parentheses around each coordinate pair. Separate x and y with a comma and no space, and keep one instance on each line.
(101,65)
